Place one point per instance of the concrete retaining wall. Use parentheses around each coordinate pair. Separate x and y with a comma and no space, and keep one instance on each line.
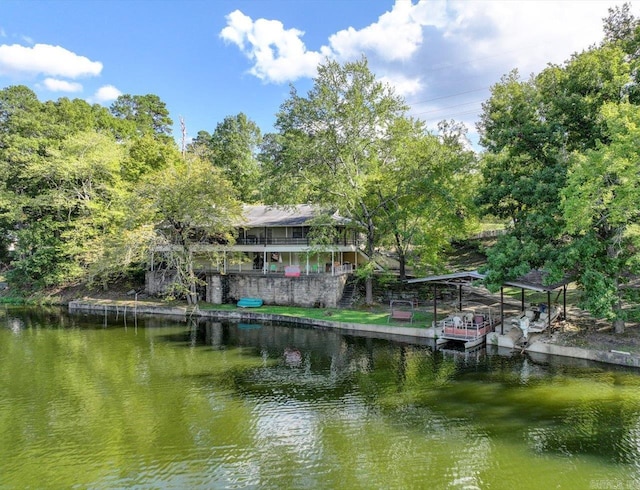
(101,307)
(409,334)
(610,357)
(157,282)
(412,334)
(316,290)
(307,291)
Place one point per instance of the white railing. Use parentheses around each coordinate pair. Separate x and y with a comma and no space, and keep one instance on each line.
(338,269)
(343,269)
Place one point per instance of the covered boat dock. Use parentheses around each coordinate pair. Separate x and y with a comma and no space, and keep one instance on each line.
(535,281)
(456,279)
(532,281)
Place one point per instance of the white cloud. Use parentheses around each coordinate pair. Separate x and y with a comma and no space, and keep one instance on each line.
(238,28)
(395,36)
(56,61)
(55,85)
(526,34)
(278,54)
(403,85)
(517,33)
(106,93)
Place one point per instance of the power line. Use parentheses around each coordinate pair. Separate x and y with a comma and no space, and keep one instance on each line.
(440,109)
(449,96)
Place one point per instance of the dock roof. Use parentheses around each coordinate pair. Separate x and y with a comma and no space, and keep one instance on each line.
(455,278)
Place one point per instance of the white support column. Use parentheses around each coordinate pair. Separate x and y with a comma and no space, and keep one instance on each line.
(307,263)
(333,267)
(224,261)
(264,262)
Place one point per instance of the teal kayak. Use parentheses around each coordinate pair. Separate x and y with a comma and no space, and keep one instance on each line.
(249,302)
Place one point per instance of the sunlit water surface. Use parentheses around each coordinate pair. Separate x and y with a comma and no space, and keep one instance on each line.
(95,402)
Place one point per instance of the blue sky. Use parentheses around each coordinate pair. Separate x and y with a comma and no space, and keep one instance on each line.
(213,58)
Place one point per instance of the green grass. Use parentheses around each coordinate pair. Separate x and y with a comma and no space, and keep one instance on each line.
(370,317)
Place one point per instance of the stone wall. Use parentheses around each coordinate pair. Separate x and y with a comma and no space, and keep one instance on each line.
(308,291)
(157,282)
(314,290)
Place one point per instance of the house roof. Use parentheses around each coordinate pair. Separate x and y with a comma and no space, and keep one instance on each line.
(269,216)
(456,278)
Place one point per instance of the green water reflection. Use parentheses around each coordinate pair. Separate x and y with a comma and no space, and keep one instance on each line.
(94,402)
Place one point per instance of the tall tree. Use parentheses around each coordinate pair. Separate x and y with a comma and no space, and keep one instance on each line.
(66,171)
(75,203)
(143,115)
(233,148)
(522,173)
(426,198)
(147,154)
(529,129)
(334,143)
(601,209)
(620,24)
(566,177)
(187,204)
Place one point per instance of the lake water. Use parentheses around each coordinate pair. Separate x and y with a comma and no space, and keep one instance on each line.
(95,402)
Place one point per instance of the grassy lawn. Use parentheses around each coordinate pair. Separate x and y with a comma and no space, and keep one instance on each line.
(370,317)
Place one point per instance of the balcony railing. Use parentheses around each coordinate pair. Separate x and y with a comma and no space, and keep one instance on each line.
(337,270)
(305,242)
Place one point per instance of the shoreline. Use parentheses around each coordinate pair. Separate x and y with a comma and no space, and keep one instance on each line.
(422,336)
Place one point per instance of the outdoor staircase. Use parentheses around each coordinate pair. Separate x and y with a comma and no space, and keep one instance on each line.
(349,292)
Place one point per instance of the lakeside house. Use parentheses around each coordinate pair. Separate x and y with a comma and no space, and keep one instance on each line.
(277,256)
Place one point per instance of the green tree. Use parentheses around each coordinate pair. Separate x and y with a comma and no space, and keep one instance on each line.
(73,116)
(425,198)
(60,186)
(67,169)
(601,210)
(233,148)
(620,25)
(69,199)
(20,125)
(530,129)
(188,205)
(147,154)
(334,144)
(142,115)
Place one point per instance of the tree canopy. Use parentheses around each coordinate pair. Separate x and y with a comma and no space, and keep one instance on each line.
(344,146)
(233,148)
(555,168)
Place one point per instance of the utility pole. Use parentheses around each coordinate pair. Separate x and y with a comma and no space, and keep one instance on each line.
(183,128)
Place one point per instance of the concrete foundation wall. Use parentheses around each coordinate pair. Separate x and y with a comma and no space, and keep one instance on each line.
(307,291)
(157,282)
(318,290)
